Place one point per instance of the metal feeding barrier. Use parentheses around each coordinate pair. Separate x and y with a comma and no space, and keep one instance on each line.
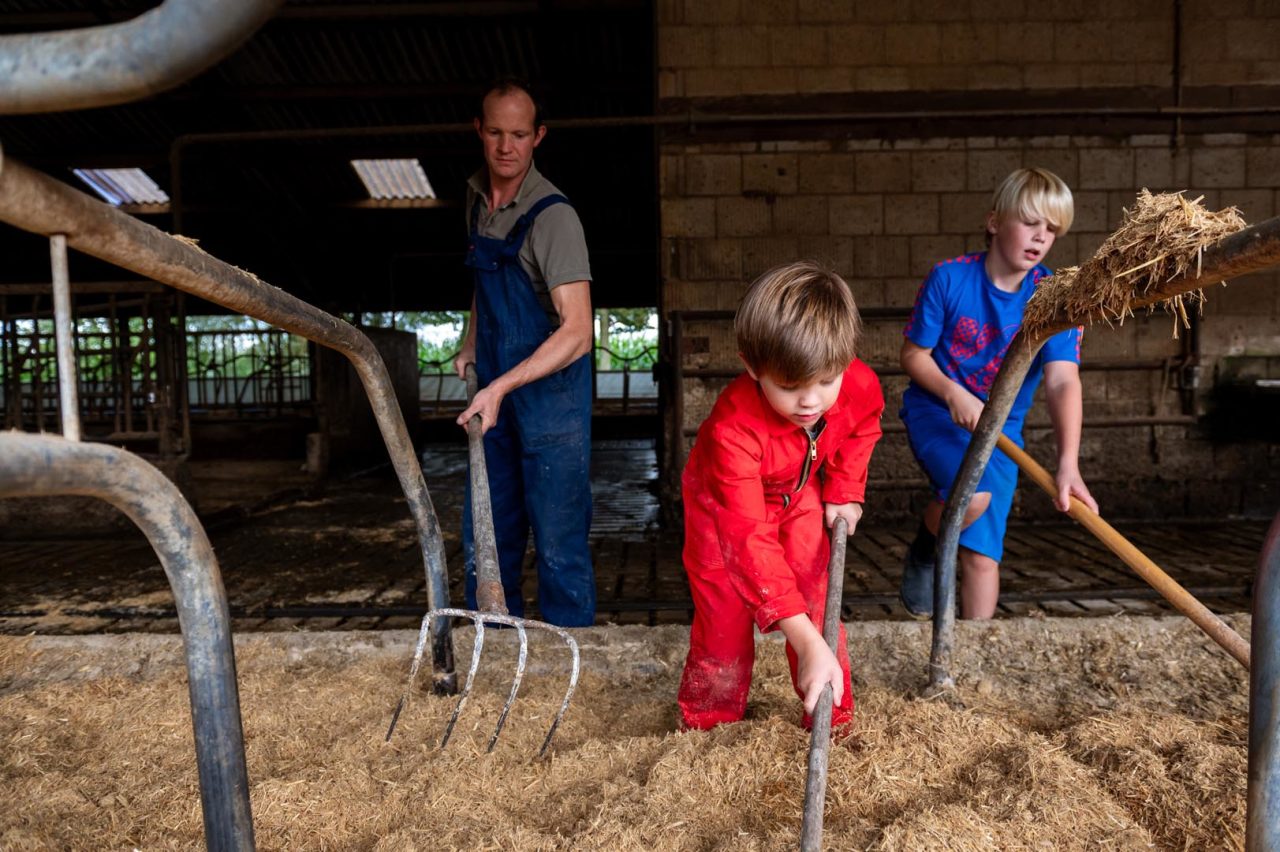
(490,599)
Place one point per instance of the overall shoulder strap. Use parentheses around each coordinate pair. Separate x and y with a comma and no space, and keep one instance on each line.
(516,235)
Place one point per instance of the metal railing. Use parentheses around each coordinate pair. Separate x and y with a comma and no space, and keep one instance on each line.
(629,389)
(37,203)
(46,465)
(253,373)
(116,364)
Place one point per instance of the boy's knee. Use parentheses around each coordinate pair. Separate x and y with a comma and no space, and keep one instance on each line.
(977,565)
(979,504)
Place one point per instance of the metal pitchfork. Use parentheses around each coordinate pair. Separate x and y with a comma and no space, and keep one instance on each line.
(815,787)
(490,598)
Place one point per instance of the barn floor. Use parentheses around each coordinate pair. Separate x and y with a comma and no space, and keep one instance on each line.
(344,557)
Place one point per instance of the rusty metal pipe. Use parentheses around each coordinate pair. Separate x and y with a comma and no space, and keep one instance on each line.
(117,63)
(37,203)
(68,395)
(46,465)
(1248,250)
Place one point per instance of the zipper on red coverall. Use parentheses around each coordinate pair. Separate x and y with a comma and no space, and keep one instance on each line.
(808,461)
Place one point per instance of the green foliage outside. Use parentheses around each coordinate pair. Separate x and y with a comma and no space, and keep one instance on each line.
(633,336)
(94,342)
(213,346)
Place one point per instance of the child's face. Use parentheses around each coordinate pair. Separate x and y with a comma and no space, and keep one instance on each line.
(804,403)
(1020,243)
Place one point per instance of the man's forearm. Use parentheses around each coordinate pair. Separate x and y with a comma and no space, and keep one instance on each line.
(558,351)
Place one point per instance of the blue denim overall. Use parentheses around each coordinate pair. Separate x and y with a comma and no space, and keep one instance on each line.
(538,453)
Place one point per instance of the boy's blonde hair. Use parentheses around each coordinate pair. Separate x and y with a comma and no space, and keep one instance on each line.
(1034,194)
(798,322)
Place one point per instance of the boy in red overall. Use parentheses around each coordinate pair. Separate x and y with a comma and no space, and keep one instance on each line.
(784,451)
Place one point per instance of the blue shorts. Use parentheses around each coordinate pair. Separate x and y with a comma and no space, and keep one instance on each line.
(939,446)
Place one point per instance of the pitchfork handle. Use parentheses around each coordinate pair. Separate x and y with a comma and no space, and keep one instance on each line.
(1183,601)
(815,788)
(489,594)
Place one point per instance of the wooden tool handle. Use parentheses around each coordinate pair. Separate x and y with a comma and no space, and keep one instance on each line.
(815,790)
(1183,601)
(489,594)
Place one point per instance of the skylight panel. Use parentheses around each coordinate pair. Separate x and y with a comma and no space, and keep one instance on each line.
(123,187)
(387,180)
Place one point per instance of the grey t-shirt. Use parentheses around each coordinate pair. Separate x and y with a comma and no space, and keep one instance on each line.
(554,250)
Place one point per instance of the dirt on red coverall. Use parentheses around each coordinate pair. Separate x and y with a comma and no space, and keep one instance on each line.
(756,549)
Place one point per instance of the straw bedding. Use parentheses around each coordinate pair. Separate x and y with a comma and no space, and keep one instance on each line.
(1162,237)
(1118,733)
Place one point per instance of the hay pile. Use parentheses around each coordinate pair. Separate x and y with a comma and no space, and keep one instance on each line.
(1161,238)
(1116,733)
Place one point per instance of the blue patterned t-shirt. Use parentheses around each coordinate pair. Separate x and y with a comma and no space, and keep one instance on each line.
(969,323)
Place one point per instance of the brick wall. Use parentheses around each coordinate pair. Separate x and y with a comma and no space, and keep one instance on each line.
(883,209)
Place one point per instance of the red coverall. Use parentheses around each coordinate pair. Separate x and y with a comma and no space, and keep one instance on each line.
(755,548)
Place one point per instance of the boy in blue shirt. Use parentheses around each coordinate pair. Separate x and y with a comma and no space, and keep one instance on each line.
(965,316)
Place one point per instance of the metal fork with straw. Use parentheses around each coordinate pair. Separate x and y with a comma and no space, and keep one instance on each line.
(490,599)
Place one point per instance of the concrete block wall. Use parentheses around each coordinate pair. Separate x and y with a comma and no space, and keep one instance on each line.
(723,48)
(881,211)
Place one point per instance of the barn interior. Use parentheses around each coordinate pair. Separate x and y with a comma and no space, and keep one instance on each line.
(702,143)
(313,172)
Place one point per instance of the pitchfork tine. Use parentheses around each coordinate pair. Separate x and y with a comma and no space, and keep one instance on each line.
(476,650)
(573,683)
(413,674)
(479,619)
(515,685)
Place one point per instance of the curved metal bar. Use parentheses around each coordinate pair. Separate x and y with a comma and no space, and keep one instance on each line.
(44,465)
(37,203)
(1249,250)
(1017,362)
(118,63)
(1262,829)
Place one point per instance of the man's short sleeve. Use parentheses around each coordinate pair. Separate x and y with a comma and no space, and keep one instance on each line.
(1064,346)
(925,326)
(559,246)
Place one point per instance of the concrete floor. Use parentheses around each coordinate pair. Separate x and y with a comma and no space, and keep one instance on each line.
(344,556)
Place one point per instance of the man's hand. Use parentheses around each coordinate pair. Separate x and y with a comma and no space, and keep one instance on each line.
(1070,484)
(965,408)
(485,403)
(851,512)
(816,666)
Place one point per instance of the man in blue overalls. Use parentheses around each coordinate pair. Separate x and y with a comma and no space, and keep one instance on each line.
(530,337)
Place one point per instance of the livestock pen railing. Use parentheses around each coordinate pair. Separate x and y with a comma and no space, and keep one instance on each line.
(44,465)
(629,388)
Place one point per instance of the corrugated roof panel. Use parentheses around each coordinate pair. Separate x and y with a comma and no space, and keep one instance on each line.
(388,179)
(123,186)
